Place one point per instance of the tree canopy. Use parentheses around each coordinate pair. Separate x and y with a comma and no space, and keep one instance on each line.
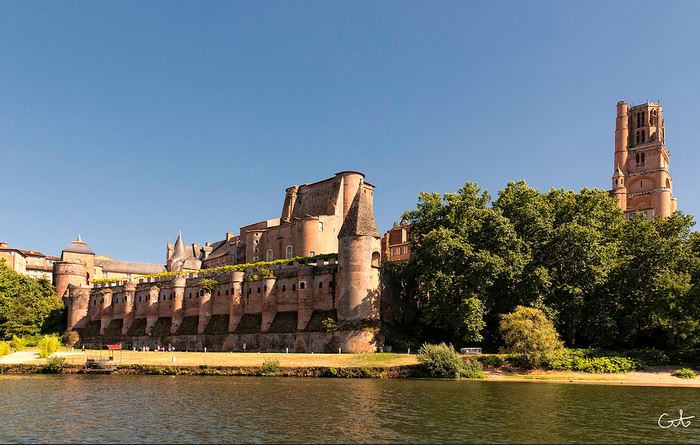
(27,306)
(605,280)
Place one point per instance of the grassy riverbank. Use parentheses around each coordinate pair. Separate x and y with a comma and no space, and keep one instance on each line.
(242,359)
(379,365)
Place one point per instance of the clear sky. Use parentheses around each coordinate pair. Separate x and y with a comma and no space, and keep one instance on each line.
(127,121)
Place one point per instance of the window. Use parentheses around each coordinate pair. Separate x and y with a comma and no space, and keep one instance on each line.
(320,226)
(644,136)
(284,288)
(255,258)
(218,293)
(294,287)
(269,255)
(290,251)
(258,290)
(265,288)
(249,290)
(257,241)
(320,284)
(257,250)
(226,291)
(302,285)
(638,137)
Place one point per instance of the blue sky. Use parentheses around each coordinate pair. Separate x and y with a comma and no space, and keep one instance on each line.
(127,121)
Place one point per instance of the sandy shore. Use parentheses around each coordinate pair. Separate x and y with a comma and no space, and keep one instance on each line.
(651,376)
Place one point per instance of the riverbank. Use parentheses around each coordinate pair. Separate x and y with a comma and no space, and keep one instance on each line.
(379,365)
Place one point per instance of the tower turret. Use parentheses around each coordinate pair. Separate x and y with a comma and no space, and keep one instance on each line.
(359,248)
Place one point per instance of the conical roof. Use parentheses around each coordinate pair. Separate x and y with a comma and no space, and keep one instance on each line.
(79,246)
(360,218)
(179,252)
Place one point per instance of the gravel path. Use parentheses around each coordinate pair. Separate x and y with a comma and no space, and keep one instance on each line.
(17,358)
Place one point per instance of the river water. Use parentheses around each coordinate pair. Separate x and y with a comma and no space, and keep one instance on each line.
(108,409)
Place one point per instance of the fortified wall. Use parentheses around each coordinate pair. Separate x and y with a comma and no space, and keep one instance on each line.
(265,306)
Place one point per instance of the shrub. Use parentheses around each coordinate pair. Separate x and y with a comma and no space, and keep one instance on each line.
(329,325)
(31,341)
(472,369)
(649,356)
(48,345)
(18,344)
(529,333)
(684,373)
(208,285)
(4,348)
(493,361)
(270,367)
(443,361)
(54,365)
(590,360)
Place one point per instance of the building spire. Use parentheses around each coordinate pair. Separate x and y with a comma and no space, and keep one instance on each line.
(360,218)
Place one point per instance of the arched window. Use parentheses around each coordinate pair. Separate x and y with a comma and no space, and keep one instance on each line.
(644,136)
(294,287)
(638,137)
(284,288)
(320,284)
(375,259)
(668,183)
(643,160)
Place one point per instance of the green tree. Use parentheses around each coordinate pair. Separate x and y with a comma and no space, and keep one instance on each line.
(530,334)
(463,254)
(656,282)
(27,306)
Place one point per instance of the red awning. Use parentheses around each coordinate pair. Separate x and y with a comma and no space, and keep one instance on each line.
(112,347)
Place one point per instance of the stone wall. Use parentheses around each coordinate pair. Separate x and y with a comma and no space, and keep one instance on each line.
(355,341)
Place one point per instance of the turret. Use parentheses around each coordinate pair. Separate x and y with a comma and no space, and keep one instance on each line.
(351,182)
(358,259)
(77,302)
(235,304)
(65,274)
(178,314)
(621,136)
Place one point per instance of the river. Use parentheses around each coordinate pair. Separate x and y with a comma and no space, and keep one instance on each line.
(108,409)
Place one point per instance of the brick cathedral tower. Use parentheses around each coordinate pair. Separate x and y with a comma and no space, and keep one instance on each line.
(641,181)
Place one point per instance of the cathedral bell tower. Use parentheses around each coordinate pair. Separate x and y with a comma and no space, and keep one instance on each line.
(641,181)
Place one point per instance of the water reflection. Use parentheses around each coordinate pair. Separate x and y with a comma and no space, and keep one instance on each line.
(141,409)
